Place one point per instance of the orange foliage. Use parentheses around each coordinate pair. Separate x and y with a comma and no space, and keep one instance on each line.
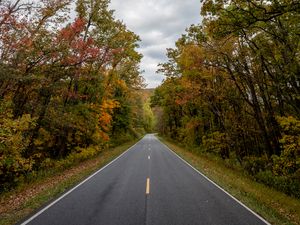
(106,111)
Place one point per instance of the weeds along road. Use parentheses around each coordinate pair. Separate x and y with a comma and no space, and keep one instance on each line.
(148,184)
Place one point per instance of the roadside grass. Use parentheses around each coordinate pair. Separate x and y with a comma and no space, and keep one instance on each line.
(276,207)
(26,199)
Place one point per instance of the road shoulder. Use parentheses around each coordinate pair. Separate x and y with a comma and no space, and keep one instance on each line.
(275,207)
(20,203)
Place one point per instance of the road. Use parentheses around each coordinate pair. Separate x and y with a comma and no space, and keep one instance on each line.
(148,185)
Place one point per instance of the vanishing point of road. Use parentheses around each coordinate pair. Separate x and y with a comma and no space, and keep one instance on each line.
(146,185)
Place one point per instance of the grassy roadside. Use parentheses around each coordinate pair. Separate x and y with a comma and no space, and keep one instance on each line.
(274,206)
(16,205)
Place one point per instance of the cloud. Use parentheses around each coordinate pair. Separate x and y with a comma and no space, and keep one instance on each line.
(159,23)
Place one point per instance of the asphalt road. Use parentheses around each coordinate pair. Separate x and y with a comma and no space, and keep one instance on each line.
(147,185)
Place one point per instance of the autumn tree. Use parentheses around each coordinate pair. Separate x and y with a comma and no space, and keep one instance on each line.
(232,86)
(64,85)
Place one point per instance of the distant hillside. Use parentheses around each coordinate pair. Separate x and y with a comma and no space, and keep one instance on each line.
(146,93)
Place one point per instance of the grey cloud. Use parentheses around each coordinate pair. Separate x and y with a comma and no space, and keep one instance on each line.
(159,23)
(154,53)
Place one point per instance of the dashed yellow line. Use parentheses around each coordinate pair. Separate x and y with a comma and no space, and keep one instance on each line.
(148,186)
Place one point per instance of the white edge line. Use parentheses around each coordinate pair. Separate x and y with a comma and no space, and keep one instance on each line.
(82,182)
(234,198)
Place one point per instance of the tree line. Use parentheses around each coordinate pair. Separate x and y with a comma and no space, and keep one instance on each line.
(69,84)
(232,88)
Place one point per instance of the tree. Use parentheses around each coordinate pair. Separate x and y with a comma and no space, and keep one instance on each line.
(230,80)
(68,86)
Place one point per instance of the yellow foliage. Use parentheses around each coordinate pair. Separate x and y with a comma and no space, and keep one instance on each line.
(12,143)
(121,84)
(216,142)
(192,57)
(105,118)
(289,160)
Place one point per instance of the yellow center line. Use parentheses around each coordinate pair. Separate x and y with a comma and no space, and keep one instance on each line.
(148,186)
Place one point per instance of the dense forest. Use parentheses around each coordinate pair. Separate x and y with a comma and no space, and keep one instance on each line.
(69,85)
(232,89)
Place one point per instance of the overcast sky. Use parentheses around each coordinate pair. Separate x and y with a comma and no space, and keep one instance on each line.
(159,23)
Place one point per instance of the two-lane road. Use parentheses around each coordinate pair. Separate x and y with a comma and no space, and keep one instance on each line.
(147,185)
